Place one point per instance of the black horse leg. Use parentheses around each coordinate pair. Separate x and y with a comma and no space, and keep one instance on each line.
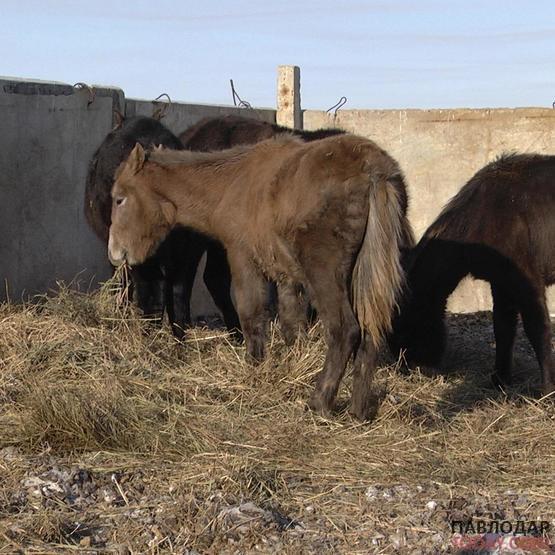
(149,289)
(217,277)
(182,269)
(505,314)
(537,325)
(179,291)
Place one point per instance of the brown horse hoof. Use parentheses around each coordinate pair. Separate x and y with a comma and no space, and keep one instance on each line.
(365,405)
(256,352)
(317,405)
(366,414)
(292,334)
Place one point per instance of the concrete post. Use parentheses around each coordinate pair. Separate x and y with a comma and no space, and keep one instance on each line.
(289,97)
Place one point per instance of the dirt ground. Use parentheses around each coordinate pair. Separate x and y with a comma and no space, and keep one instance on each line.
(115,438)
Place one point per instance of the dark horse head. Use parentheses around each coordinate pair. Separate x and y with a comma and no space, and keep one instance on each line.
(418,329)
(115,148)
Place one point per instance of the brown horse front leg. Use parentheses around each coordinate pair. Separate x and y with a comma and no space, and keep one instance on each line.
(251,295)
(292,310)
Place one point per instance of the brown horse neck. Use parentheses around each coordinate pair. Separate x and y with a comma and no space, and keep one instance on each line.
(195,196)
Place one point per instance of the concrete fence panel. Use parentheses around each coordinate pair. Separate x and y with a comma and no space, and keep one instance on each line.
(48,133)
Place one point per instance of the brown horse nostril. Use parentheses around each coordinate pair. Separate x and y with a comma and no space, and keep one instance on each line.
(116,258)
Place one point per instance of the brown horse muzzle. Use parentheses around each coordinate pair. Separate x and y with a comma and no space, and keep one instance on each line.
(116,255)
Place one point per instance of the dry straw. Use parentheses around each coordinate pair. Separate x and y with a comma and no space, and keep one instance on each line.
(85,382)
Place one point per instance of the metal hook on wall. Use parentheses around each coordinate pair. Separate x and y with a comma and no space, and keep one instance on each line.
(160,112)
(83,86)
(237,100)
(337,106)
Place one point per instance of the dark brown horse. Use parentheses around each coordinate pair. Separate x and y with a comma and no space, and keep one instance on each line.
(500,228)
(165,280)
(225,132)
(326,214)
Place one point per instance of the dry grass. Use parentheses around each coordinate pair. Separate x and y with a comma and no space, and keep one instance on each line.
(114,436)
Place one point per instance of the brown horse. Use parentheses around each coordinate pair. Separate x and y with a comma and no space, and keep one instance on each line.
(224,132)
(326,214)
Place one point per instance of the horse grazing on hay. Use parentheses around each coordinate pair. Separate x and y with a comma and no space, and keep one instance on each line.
(500,227)
(326,214)
(165,279)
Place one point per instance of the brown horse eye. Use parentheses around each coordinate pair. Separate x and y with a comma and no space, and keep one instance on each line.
(120,201)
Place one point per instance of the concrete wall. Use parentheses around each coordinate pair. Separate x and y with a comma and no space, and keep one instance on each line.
(439,150)
(49,133)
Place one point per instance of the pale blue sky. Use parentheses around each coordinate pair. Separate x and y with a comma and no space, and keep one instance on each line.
(380,54)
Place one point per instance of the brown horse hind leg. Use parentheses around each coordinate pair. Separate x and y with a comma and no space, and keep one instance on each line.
(364,405)
(251,294)
(332,300)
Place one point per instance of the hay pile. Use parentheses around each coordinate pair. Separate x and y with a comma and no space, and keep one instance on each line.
(114,437)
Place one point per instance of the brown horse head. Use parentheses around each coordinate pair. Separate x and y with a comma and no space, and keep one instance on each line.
(141,218)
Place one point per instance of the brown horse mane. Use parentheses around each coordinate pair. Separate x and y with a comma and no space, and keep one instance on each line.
(166,157)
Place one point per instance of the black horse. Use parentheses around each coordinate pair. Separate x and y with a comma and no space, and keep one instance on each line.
(165,281)
(500,227)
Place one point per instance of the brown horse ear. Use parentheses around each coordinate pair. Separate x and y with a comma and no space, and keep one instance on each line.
(169,211)
(136,159)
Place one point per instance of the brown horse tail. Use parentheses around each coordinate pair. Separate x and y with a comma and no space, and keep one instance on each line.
(378,276)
